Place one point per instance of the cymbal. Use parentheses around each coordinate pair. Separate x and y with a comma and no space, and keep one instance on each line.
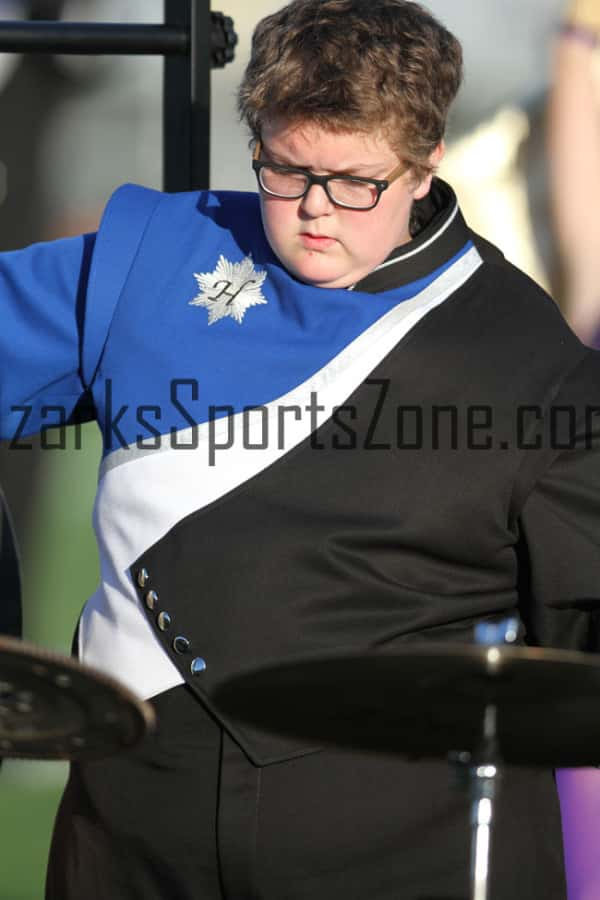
(53,707)
(429,700)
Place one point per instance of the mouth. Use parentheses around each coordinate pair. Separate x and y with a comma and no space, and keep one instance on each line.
(316,241)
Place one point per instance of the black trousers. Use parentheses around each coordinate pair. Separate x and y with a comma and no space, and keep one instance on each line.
(186,816)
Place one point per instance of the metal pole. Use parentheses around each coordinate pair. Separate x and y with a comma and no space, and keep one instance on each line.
(193,40)
(186,99)
(201,64)
(482,811)
(84,38)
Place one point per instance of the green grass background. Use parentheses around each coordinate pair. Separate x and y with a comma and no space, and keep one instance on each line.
(59,571)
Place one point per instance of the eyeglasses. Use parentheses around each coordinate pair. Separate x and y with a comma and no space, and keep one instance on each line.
(348,191)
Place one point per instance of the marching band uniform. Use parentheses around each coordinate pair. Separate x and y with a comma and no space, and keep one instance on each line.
(289,471)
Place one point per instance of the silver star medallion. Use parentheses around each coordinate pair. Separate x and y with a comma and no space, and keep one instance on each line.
(230,290)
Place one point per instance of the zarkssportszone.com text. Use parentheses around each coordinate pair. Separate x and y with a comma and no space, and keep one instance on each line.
(376,424)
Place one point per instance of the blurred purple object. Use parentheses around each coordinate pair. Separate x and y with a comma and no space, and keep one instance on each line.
(579,792)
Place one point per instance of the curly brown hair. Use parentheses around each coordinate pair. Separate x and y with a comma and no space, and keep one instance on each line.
(355,66)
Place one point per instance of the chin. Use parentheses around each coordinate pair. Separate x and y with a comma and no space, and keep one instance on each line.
(322,281)
(319,275)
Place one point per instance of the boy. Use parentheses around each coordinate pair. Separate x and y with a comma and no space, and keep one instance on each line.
(326,427)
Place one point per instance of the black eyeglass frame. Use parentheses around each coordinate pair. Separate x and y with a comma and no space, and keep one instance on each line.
(380,184)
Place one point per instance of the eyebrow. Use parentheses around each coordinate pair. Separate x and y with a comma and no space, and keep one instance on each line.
(354,170)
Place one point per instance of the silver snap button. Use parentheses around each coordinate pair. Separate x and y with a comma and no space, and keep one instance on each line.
(163,620)
(181,644)
(197,665)
(151,599)
(142,577)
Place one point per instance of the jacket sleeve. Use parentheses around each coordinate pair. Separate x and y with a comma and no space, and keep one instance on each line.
(57,301)
(10,583)
(42,312)
(560,527)
(560,520)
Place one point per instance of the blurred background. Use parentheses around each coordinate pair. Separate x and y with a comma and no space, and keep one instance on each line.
(73,128)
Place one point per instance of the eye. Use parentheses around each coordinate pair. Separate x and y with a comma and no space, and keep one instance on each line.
(282,181)
(353,192)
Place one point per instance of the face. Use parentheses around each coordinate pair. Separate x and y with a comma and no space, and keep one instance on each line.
(323,244)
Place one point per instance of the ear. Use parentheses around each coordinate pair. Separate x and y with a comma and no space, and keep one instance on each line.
(435,158)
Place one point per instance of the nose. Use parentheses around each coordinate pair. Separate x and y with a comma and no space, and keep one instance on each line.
(316,202)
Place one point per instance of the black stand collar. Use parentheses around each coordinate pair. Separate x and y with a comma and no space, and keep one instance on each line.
(440,233)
